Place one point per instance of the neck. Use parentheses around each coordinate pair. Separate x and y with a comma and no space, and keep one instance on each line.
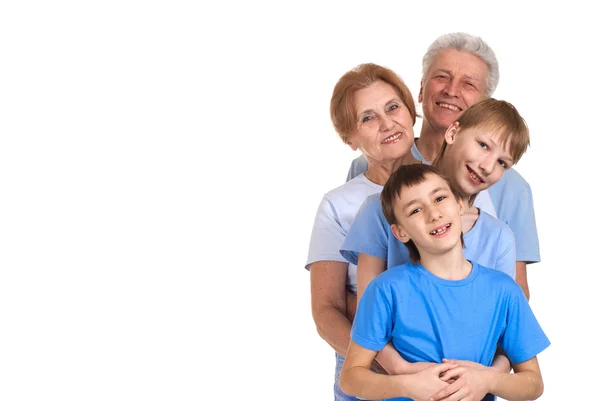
(450,265)
(379,173)
(430,141)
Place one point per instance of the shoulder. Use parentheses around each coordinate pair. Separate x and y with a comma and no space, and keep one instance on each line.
(511,181)
(490,222)
(499,279)
(395,275)
(353,188)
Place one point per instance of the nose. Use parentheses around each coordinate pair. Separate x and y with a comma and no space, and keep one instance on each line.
(386,123)
(452,88)
(487,165)
(434,213)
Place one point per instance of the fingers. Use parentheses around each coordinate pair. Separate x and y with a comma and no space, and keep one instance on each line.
(443,367)
(453,373)
(449,391)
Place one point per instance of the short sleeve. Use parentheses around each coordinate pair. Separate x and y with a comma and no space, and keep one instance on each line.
(373,323)
(523,338)
(327,235)
(368,233)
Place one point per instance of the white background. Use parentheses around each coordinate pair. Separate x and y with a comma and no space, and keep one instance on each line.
(161,164)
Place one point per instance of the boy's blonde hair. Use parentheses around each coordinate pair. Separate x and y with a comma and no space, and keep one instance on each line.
(497,116)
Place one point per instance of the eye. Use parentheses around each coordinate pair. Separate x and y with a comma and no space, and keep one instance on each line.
(366,118)
(483,145)
(393,107)
(440,198)
(471,85)
(503,163)
(417,210)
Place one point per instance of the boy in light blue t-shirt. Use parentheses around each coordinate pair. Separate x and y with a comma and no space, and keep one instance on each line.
(441,309)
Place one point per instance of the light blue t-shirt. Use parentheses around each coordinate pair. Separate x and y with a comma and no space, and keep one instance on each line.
(428,318)
(513,204)
(333,219)
(489,242)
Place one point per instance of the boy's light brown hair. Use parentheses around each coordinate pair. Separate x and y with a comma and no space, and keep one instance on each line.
(405,177)
(342,108)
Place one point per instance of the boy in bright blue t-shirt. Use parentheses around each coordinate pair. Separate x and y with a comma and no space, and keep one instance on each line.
(440,307)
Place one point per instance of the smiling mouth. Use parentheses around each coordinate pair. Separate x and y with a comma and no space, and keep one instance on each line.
(474,176)
(392,138)
(448,106)
(441,230)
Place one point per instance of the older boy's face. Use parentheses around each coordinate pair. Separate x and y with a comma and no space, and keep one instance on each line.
(474,158)
(429,214)
(455,81)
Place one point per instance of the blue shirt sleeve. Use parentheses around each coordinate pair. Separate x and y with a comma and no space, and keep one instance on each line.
(358,166)
(513,202)
(373,323)
(523,338)
(368,233)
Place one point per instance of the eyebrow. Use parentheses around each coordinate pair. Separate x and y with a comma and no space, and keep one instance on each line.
(473,77)
(508,158)
(394,99)
(436,190)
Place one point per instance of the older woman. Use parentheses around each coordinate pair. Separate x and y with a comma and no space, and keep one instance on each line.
(373,111)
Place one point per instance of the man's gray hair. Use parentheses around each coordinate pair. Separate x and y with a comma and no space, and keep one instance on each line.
(467,43)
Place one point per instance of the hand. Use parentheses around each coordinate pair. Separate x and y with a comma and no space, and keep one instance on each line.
(469,381)
(428,381)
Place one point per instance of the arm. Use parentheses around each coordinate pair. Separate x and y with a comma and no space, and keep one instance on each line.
(472,381)
(389,358)
(521,278)
(328,301)
(513,200)
(525,384)
(357,380)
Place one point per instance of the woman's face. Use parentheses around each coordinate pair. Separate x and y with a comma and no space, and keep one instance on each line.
(475,158)
(384,130)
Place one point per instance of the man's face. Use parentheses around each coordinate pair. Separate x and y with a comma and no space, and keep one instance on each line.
(455,81)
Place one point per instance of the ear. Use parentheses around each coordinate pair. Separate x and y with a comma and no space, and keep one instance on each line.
(420,98)
(400,233)
(451,132)
(461,206)
(353,147)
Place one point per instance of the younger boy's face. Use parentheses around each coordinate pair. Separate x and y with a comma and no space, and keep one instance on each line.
(474,158)
(429,214)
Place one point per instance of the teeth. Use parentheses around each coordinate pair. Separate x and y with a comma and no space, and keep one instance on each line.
(440,230)
(449,106)
(474,176)
(392,138)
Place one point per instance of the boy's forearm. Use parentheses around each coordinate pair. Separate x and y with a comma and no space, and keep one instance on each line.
(521,386)
(391,360)
(361,382)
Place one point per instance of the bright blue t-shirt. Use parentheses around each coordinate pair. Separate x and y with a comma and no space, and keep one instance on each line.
(428,318)
(513,203)
(489,242)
